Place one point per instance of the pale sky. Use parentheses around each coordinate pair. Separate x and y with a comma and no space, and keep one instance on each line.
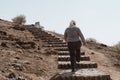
(98,19)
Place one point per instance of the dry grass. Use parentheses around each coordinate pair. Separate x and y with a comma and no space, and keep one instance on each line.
(91,40)
(117,47)
(19,19)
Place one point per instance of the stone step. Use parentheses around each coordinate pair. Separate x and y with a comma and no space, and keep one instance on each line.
(41,34)
(52,41)
(50,38)
(67,53)
(67,58)
(61,48)
(47,37)
(81,64)
(55,45)
(83,74)
(56,42)
(44,36)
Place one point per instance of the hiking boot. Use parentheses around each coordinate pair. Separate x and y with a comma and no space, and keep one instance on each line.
(73,71)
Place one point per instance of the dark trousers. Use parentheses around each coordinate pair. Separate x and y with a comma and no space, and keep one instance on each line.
(74,50)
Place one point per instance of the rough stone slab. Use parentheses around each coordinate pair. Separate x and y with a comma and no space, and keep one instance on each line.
(67,53)
(56,42)
(55,45)
(82,74)
(81,64)
(45,38)
(61,48)
(52,40)
(48,37)
(67,58)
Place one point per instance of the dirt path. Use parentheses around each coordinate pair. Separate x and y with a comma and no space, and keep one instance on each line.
(103,62)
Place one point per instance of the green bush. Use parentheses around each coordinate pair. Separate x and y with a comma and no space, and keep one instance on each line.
(21,19)
(117,47)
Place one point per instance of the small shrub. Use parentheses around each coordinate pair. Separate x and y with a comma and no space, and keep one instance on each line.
(19,19)
(117,47)
(91,40)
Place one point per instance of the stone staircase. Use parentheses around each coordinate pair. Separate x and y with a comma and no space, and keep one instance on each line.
(87,69)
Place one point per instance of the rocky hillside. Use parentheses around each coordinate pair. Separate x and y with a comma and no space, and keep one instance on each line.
(23,56)
(107,58)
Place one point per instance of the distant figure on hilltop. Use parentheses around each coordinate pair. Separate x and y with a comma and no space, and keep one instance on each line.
(74,38)
(37,24)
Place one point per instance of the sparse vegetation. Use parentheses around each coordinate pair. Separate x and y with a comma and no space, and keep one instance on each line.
(91,40)
(21,19)
(21,60)
(117,47)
